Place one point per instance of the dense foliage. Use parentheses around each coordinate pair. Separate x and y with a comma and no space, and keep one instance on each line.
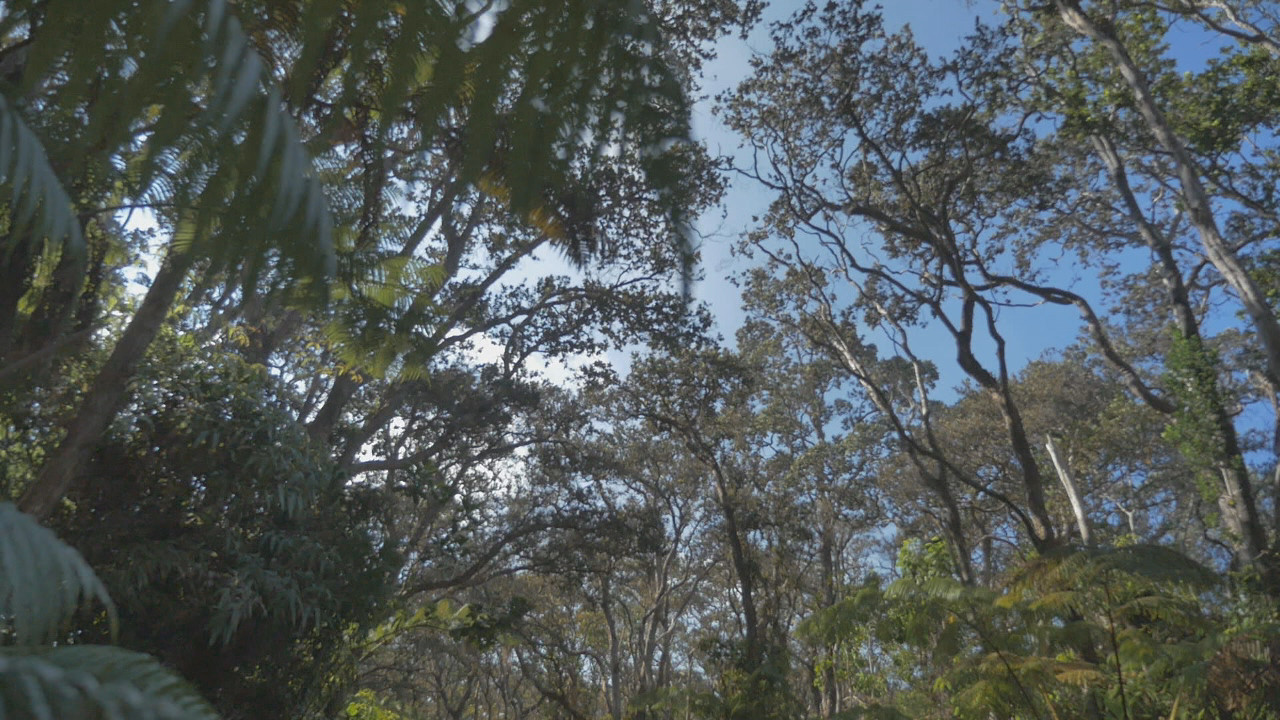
(307,407)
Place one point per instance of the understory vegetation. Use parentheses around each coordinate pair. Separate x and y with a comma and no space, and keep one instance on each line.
(353,363)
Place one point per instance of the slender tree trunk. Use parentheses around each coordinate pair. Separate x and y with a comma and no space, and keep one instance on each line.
(1237,502)
(614,691)
(953,525)
(98,409)
(1073,492)
(322,426)
(830,689)
(742,568)
(1194,195)
(1043,536)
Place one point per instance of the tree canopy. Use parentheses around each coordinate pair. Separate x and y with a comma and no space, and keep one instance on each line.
(312,402)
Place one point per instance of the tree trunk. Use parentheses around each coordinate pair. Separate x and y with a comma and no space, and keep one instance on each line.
(1194,195)
(322,426)
(830,689)
(742,568)
(98,409)
(1237,503)
(1073,492)
(614,690)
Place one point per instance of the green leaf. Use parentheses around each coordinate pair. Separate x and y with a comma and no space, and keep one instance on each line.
(37,191)
(43,581)
(93,681)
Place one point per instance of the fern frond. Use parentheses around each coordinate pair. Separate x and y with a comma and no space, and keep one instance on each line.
(92,681)
(37,192)
(1061,602)
(43,581)
(195,121)
(943,589)
(1075,571)
(1158,564)
(871,712)
(1080,674)
(241,90)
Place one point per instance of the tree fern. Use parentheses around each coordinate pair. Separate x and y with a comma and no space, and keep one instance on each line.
(36,190)
(1126,629)
(94,681)
(43,583)
(197,56)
